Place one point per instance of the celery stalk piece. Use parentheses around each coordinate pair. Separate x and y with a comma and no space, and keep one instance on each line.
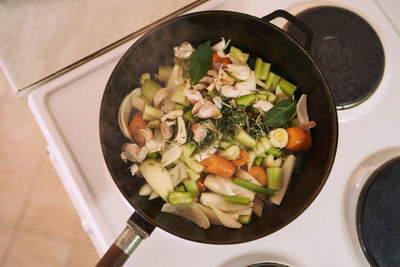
(235,54)
(175,198)
(191,187)
(244,219)
(163,73)
(245,139)
(181,188)
(193,174)
(178,96)
(238,200)
(253,187)
(188,116)
(276,152)
(194,165)
(258,160)
(274,176)
(187,150)
(144,77)
(149,89)
(261,69)
(152,112)
(245,100)
(154,124)
(152,155)
(272,81)
(287,87)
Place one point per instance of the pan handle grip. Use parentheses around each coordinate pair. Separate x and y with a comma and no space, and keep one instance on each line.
(292,19)
(136,230)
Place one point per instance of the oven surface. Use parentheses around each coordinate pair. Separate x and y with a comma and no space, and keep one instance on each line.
(67,110)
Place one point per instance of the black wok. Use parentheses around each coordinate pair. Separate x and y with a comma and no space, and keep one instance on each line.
(259,38)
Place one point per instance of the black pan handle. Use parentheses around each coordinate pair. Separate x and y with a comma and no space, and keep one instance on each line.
(292,19)
(137,229)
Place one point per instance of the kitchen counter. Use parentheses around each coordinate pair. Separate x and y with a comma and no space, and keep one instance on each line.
(39,38)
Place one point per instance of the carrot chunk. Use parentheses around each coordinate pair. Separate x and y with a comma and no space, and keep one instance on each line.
(218,165)
(299,139)
(260,175)
(243,158)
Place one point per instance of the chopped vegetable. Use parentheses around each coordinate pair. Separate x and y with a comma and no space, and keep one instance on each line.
(191,187)
(152,112)
(274,178)
(278,137)
(225,219)
(237,200)
(225,186)
(231,153)
(217,59)
(157,177)
(259,173)
(287,87)
(299,139)
(189,212)
(175,198)
(200,184)
(217,165)
(236,55)
(253,187)
(261,70)
(149,89)
(245,139)
(272,81)
(287,170)
(209,199)
(245,100)
(137,122)
(244,219)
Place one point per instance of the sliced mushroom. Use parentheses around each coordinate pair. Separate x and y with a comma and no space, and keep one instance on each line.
(172,115)
(229,91)
(207,80)
(263,105)
(193,96)
(166,130)
(154,146)
(133,152)
(217,101)
(199,86)
(160,95)
(141,135)
(184,50)
(181,135)
(221,45)
(209,110)
(212,73)
(224,78)
(199,132)
(239,71)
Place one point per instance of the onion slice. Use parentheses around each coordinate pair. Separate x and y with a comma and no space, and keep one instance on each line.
(124,114)
(242,174)
(226,219)
(301,110)
(225,186)
(189,212)
(218,201)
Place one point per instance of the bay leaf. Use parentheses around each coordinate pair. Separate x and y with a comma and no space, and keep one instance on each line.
(200,62)
(280,113)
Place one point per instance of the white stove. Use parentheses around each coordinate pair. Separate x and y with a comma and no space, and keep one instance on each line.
(67,110)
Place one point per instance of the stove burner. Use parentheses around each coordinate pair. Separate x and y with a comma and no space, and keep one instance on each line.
(378,215)
(347,50)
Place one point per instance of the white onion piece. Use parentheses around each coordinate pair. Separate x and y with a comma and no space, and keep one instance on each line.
(226,219)
(258,207)
(208,199)
(225,186)
(242,174)
(157,177)
(137,100)
(189,212)
(252,157)
(237,213)
(287,170)
(176,78)
(212,217)
(207,152)
(124,114)
(181,135)
(172,153)
(145,190)
(248,86)
(178,173)
(301,110)
(153,195)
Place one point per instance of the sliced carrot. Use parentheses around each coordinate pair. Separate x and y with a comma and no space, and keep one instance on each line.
(260,175)
(217,59)
(243,158)
(299,139)
(137,121)
(218,165)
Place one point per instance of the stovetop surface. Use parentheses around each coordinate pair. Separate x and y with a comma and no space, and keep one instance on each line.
(322,236)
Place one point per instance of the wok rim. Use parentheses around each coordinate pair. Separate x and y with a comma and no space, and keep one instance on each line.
(333,145)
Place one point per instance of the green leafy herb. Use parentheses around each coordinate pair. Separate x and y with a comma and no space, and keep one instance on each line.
(200,62)
(280,113)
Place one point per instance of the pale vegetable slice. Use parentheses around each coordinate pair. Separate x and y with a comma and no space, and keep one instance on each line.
(145,190)
(258,207)
(181,135)
(208,199)
(226,219)
(250,162)
(157,177)
(178,173)
(270,162)
(242,174)
(124,113)
(137,100)
(225,186)
(172,153)
(287,170)
(175,78)
(189,212)
(212,217)
(245,211)
(279,137)
(153,195)
(301,110)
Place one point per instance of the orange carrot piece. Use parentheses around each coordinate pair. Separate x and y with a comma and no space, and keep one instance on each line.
(200,184)
(137,121)
(218,165)
(217,59)
(299,139)
(243,158)
(260,175)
